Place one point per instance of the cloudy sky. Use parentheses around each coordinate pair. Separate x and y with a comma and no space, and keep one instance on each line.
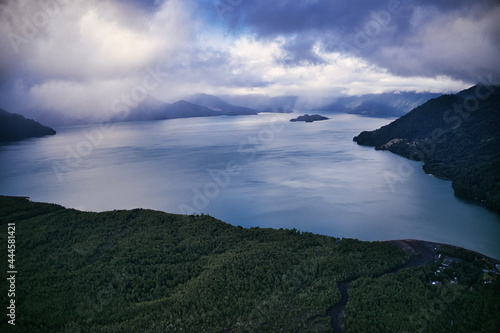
(84,57)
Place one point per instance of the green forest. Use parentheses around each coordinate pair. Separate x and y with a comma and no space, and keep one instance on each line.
(149,271)
(431,298)
(456,136)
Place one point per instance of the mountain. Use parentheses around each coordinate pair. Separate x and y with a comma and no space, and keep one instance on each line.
(149,271)
(217,104)
(281,104)
(456,136)
(386,104)
(153,109)
(14,127)
(198,105)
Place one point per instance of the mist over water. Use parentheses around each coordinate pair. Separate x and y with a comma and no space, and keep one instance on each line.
(249,171)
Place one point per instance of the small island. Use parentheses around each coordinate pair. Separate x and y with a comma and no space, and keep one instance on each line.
(309,118)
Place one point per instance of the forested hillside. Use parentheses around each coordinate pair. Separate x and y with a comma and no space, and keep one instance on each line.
(458,293)
(149,271)
(456,136)
(143,270)
(14,127)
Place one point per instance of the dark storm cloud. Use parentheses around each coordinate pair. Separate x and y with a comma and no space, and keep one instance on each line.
(299,51)
(291,16)
(209,69)
(457,38)
(78,57)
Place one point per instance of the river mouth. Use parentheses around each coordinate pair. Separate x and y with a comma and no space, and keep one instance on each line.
(421,253)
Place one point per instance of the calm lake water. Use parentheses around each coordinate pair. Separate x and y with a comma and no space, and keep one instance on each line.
(250,171)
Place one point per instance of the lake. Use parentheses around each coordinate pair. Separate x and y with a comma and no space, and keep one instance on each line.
(251,171)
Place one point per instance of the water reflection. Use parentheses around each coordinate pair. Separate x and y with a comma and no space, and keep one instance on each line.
(312,177)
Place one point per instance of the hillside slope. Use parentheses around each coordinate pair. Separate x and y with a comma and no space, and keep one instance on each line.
(456,136)
(14,127)
(217,104)
(142,270)
(384,105)
(199,105)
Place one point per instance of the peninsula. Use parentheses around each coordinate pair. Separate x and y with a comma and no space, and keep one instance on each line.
(456,136)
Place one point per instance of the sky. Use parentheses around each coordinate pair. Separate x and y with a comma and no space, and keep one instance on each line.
(90,59)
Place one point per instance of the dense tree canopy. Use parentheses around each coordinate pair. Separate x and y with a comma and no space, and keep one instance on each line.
(143,270)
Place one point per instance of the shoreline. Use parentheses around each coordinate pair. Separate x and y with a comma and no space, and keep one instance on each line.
(401,243)
(424,248)
(159,229)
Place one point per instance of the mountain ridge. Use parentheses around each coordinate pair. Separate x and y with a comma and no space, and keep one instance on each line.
(456,136)
(198,105)
(384,104)
(217,104)
(15,127)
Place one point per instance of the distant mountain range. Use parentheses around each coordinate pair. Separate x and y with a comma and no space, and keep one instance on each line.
(280,104)
(456,136)
(14,127)
(216,104)
(392,104)
(204,105)
(386,104)
(198,105)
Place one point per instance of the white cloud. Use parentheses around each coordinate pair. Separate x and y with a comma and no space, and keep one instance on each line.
(90,100)
(335,75)
(462,44)
(96,44)
(89,52)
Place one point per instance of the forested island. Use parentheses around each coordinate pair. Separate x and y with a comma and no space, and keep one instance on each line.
(456,136)
(309,118)
(142,270)
(14,127)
